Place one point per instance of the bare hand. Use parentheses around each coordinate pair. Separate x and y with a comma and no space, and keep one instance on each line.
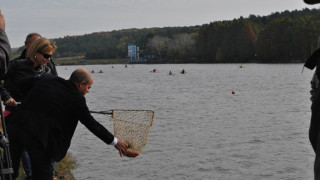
(2,22)
(11,102)
(122,147)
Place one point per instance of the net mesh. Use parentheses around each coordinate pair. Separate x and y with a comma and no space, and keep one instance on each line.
(133,126)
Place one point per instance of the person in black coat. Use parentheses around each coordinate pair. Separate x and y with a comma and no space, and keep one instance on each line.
(5,49)
(314,130)
(46,121)
(39,55)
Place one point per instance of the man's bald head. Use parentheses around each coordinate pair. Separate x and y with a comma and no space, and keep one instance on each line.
(80,75)
(82,79)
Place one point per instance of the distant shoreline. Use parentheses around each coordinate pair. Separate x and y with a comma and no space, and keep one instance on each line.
(76,61)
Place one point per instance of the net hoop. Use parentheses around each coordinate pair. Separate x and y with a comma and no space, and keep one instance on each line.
(133,127)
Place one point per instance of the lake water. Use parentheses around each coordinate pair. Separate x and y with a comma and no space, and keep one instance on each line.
(201,130)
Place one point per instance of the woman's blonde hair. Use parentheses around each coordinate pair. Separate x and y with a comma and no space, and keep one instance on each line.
(41,45)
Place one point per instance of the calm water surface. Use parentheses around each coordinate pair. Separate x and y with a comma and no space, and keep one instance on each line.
(201,130)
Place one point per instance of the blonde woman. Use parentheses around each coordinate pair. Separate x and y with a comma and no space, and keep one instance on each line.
(39,54)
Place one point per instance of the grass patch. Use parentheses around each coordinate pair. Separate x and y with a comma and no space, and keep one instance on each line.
(64,167)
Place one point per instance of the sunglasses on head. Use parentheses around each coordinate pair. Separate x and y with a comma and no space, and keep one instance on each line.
(47,56)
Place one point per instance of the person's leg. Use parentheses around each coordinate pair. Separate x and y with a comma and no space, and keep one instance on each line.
(15,147)
(26,163)
(314,135)
(317,163)
(315,124)
(53,165)
(40,163)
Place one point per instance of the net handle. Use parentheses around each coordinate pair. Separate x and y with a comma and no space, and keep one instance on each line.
(102,112)
(110,112)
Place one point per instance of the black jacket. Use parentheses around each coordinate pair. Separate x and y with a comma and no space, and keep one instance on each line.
(17,71)
(51,111)
(5,52)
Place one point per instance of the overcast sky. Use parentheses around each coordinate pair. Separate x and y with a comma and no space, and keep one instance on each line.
(59,18)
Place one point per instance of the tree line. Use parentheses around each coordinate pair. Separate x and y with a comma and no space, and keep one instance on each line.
(279,37)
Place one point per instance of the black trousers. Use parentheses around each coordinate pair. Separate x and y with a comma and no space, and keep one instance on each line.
(19,140)
(314,132)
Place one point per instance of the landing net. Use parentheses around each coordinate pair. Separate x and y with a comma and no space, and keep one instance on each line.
(133,126)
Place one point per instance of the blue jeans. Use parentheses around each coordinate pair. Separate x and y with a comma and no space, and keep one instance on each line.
(26,163)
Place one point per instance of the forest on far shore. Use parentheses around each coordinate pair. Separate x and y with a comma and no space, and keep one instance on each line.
(281,37)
